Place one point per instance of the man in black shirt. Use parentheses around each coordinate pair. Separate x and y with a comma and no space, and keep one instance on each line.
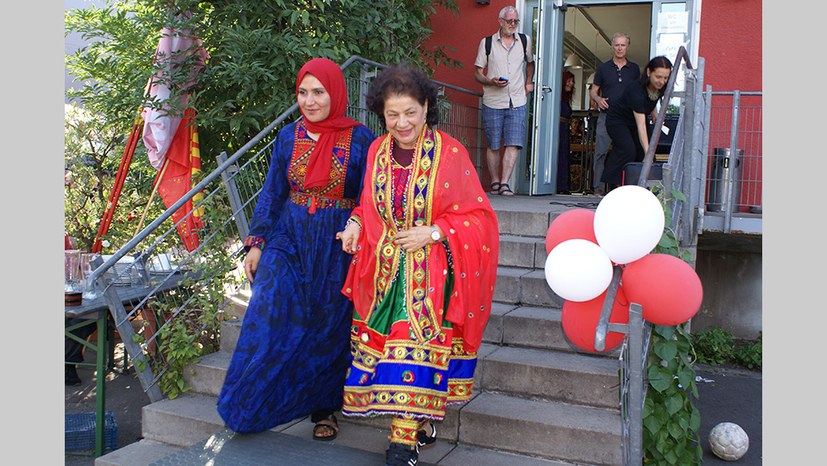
(610,80)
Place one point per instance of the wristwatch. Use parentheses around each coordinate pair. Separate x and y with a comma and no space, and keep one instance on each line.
(435,234)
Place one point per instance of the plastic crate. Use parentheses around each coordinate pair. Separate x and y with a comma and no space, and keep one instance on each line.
(80,431)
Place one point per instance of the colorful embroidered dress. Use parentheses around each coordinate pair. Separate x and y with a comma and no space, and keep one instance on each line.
(419,315)
(292,353)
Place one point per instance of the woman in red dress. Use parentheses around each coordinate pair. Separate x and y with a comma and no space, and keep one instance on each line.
(425,241)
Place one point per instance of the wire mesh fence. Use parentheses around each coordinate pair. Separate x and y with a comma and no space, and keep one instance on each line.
(734,168)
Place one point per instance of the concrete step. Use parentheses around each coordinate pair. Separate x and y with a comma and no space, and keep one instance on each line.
(183,421)
(548,429)
(517,285)
(230,330)
(525,428)
(524,222)
(206,376)
(140,453)
(356,445)
(552,375)
(522,251)
(236,304)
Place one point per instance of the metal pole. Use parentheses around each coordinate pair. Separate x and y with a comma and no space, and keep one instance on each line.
(228,177)
(100,386)
(637,366)
(731,162)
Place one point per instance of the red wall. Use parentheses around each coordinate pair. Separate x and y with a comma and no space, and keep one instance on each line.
(730,43)
(463,33)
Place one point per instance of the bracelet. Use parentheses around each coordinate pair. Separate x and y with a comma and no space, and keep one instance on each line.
(351,221)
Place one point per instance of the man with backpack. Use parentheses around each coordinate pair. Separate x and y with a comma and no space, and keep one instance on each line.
(505,68)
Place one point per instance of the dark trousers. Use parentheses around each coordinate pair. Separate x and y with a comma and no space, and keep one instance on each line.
(626,148)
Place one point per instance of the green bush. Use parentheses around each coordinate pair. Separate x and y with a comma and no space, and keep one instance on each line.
(748,354)
(716,346)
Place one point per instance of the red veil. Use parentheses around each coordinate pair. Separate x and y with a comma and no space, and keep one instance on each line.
(458,205)
(331,77)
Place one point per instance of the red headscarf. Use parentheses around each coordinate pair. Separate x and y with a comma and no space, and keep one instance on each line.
(331,77)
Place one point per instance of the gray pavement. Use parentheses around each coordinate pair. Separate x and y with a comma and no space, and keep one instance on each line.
(725,395)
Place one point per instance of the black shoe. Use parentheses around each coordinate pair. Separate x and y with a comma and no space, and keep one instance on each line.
(401,455)
(72,378)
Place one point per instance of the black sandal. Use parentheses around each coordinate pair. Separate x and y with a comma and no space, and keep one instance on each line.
(329,423)
(495,187)
(504,188)
(423,439)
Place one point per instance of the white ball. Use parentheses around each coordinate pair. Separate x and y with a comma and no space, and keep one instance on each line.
(728,441)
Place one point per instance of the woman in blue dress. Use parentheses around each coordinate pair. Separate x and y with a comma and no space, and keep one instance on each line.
(563,147)
(293,351)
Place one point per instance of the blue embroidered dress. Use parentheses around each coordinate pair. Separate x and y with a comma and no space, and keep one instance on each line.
(293,350)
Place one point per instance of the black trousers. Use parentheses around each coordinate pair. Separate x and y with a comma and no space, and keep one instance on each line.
(626,148)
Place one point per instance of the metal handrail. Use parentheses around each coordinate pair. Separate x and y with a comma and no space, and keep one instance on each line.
(633,353)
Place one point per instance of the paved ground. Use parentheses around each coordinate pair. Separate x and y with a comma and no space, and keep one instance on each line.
(726,395)
(124,397)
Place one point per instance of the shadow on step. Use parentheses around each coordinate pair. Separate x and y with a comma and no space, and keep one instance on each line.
(227,448)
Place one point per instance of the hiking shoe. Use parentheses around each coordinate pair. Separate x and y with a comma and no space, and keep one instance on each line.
(401,455)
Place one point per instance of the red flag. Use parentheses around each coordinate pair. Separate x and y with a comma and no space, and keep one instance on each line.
(182,161)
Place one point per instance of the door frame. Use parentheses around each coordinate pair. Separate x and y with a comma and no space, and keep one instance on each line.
(535,169)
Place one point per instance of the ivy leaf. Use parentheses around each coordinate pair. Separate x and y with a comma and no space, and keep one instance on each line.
(667,242)
(674,404)
(686,377)
(652,424)
(667,350)
(660,378)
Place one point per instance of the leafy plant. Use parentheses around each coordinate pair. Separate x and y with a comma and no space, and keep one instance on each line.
(714,346)
(92,154)
(670,419)
(194,328)
(255,49)
(749,354)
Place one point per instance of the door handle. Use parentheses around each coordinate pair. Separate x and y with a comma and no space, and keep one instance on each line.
(545,88)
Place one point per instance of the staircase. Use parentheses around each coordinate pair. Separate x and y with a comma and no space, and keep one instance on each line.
(538,401)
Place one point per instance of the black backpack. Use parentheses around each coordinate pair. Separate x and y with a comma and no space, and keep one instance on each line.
(522,39)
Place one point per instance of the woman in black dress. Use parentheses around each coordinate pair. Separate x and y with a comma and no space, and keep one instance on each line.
(565,119)
(626,119)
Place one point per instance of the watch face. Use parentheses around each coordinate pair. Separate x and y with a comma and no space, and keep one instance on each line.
(435,235)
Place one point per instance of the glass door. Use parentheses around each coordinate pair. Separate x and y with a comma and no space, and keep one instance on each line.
(548,19)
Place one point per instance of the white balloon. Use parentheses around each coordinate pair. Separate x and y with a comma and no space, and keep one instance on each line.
(628,223)
(578,270)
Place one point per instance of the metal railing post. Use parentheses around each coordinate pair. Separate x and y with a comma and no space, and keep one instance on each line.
(732,160)
(228,177)
(637,392)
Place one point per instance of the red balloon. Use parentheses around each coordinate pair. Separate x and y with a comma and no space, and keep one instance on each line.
(580,319)
(571,224)
(667,288)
